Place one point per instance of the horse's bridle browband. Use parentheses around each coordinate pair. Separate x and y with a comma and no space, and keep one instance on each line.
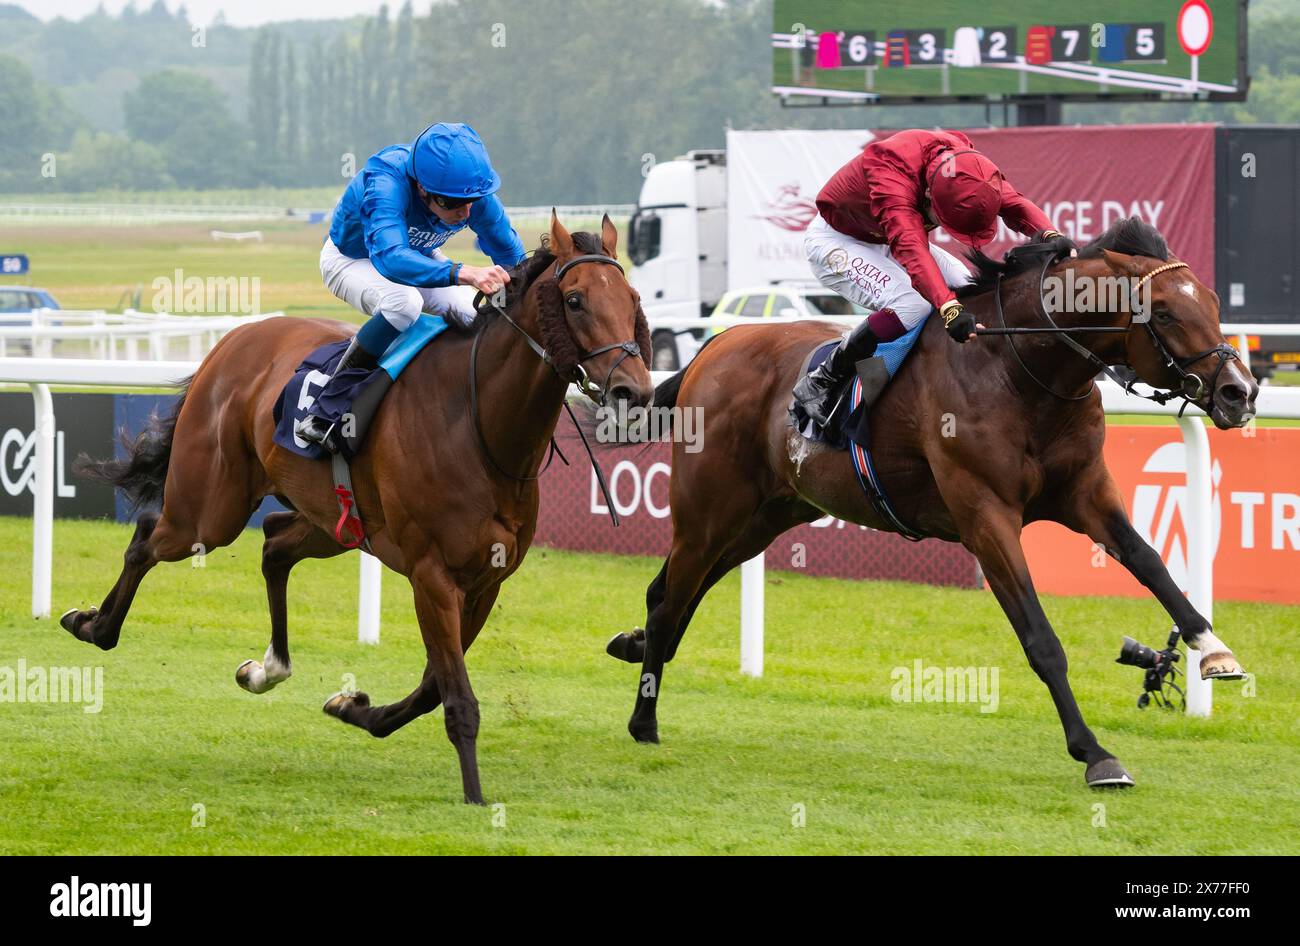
(1193,386)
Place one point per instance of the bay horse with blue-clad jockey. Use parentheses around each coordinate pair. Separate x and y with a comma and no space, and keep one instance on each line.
(446,481)
(971,443)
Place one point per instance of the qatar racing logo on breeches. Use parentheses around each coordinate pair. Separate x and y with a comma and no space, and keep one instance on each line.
(1160,509)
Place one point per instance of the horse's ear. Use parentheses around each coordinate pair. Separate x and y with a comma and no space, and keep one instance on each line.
(1122,263)
(608,236)
(561,242)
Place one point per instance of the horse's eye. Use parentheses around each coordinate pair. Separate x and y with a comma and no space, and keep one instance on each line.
(575,302)
(1164,316)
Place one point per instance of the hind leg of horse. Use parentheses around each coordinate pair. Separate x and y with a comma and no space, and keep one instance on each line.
(156,539)
(1097,511)
(991,530)
(629,646)
(290,538)
(682,583)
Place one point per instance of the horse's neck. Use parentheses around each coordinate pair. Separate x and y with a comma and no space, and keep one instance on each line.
(519,399)
(1051,360)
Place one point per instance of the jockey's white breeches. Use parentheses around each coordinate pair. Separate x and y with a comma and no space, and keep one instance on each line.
(360,285)
(867,274)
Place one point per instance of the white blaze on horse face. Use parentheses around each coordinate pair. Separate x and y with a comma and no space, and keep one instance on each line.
(1188,289)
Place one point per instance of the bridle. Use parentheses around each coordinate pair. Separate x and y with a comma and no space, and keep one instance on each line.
(578,376)
(1192,386)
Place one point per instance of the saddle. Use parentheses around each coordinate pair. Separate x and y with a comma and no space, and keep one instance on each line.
(849,428)
(353,409)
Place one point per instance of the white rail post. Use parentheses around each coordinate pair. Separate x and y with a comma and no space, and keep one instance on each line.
(1200,553)
(751,616)
(1243,348)
(372,573)
(43,504)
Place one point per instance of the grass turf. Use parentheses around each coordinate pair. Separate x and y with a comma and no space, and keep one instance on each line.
(819,730)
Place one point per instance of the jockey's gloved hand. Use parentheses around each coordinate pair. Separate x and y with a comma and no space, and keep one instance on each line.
(959,323)
(1062,245)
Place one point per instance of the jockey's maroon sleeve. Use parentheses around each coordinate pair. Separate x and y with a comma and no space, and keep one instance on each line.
(878,196)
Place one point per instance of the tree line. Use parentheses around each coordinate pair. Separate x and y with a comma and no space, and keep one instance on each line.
(573,99)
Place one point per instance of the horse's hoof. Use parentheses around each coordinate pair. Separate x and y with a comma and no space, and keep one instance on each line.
(73,619)
(642,732)
(251,676)
(627,647)
(1221,666)
(335,704)
(1107,773)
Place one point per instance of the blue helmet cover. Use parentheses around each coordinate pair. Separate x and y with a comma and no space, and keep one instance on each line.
(448,158)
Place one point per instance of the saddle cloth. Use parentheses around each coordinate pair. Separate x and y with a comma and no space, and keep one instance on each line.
(848,426)
(359,391)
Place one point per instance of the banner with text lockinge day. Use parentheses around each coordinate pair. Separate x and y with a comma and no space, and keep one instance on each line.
(1256,509)
(1087,177)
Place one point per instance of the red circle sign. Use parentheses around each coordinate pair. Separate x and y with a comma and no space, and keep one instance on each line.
(1195,27)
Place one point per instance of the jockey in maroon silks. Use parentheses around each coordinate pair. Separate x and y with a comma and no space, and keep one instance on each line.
(870,242)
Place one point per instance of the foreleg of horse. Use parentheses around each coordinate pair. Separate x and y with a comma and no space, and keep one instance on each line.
(383,720)
(155,540)
(1100,515)
(439,605)
(992,532)
(290,538)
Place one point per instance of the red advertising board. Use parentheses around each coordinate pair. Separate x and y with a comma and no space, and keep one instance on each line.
(574,516)
(1256,477)
(1256,514)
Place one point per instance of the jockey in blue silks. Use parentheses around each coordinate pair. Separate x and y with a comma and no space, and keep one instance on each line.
(382,255)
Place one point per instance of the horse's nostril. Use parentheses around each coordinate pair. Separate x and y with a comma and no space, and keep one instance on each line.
(1234,394)
(621,392)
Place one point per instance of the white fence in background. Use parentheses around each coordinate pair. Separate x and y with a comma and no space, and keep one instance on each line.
(39,373)
(128,335)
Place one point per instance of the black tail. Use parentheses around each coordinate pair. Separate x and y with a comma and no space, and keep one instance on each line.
(143,472)
(666,393)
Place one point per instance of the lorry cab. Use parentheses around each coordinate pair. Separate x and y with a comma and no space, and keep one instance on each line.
(678,246)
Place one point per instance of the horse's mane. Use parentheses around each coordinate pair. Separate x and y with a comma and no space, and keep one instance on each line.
(556,337)
(525,273)
(1132,236)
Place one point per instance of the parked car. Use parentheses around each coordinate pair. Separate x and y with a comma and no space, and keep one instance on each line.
(674,348)
(16,305)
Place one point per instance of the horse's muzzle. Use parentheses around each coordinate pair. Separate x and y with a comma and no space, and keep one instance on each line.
(1232,403)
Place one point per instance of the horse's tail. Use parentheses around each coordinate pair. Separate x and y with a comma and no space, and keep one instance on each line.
(666,393)
(142,473)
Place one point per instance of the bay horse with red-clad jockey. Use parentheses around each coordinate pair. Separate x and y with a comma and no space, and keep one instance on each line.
(1027,446)
(446,481)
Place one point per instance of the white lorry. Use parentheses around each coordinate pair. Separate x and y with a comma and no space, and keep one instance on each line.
(730,223)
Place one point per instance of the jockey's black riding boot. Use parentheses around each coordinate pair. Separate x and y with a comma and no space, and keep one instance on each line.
(312,428)
(818,391)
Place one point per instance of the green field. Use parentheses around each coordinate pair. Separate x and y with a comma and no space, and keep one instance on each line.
(819,730)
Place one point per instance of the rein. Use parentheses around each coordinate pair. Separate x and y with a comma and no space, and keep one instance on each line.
(580,377)
(1192,385)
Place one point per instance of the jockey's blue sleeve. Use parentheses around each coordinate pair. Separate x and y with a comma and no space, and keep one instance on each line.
(488,219)
(383,214)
